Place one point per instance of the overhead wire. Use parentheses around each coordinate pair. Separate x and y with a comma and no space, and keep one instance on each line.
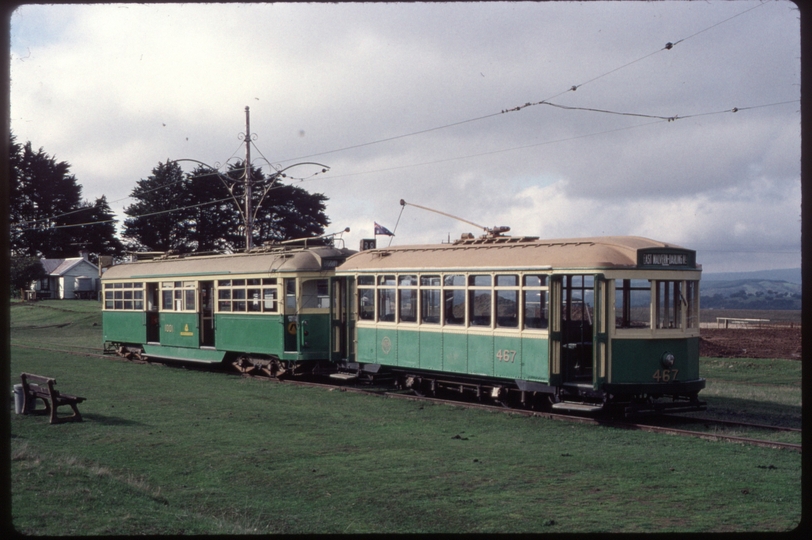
(667,46)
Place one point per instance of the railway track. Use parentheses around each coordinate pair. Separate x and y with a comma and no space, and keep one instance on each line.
(649,426)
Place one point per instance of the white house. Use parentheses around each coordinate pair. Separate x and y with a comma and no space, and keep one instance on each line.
(70,278)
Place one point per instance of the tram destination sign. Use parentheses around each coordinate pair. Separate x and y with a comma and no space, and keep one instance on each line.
(666,258)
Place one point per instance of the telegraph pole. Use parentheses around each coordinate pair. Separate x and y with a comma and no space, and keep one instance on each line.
(249,218)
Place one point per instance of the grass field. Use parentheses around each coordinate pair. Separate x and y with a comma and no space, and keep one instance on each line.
(165,450)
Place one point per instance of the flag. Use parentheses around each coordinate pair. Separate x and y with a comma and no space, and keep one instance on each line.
(381,230)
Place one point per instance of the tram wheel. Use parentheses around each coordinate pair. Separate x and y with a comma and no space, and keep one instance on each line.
(244,365)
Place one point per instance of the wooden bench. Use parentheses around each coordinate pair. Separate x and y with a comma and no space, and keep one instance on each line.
(37,387)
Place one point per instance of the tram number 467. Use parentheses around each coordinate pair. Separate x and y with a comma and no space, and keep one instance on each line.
(665,375)
(506,355)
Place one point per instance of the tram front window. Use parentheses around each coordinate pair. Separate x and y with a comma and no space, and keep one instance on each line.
(632,303)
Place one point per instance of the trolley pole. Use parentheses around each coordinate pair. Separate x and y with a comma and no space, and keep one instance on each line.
(249,221)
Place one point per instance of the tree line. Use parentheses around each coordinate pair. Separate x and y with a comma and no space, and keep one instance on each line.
(174,211)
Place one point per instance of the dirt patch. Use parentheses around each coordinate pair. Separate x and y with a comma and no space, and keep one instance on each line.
(751,343)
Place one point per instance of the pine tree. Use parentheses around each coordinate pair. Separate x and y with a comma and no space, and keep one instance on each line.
(47,217)
(204,211)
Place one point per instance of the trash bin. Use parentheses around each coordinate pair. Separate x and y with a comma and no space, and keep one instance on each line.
(18,398)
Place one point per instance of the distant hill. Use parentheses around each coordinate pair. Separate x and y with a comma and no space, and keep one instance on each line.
(793,275)
(768,289)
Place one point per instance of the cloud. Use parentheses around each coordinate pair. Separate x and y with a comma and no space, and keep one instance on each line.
(115,89)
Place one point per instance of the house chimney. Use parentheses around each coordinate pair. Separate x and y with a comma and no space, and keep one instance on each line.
(84,254)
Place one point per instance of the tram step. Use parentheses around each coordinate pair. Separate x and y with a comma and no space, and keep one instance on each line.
(573,406)
(344,376)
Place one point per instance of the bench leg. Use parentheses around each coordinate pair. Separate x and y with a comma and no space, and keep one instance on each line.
(76,417)
(30,405)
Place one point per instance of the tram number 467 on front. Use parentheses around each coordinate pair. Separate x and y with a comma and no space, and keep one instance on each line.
(506,355)
(665,375)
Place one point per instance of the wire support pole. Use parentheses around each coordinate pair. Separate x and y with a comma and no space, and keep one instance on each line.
(249,216)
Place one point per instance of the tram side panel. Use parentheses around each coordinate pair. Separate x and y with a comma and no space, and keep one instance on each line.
(503,356)
(124,326)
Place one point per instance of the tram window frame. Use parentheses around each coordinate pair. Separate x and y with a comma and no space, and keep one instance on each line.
(124,296)
(532,285)
(365,287)
(315,293)
(179,296)
(407,298)
(506,296)
(692,304)
(249,295)
(454,299)
(431,299)
(668,304)
(629,311)
(480,300)
(387,298)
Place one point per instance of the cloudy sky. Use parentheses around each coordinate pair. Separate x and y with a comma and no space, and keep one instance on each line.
(622,134)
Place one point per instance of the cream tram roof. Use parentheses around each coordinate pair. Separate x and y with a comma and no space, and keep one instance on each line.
(314,259)
(517,253)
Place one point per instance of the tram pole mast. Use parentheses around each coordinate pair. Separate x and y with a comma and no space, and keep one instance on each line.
(249,221)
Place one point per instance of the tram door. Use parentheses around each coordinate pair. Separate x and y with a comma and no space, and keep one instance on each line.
(600,329)
(338,317)
(206,302)
(577,309)
(290,318)
(153,317)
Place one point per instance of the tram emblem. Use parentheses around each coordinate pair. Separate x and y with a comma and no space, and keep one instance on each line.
(386,345)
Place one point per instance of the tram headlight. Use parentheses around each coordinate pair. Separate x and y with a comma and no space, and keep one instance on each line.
(667,360)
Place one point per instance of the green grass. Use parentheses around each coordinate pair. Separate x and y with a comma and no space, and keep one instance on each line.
(754,390)
(165,450)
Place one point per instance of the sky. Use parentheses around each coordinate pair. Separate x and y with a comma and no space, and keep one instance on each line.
(677,121)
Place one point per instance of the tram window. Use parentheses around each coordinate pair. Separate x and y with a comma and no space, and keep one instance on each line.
(224,300)
(315,294)
(386,304)
(189,299)
(507,309)
(290,294)
(430,305)
(691,311)
(535,309)
(407,281)
(480,306)
(507,281)
(386,280)
(408,305)
(454,306)
(632,303)
(254,304)
(479,281)
(366,280)
(124,296)
(535,281)
(238,298)
(269,300)
(429,281)
(166,300)
(454,280)
(366,304)
(668,304)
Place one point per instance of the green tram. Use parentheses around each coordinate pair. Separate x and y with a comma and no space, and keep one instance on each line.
(268,309)
(576,324)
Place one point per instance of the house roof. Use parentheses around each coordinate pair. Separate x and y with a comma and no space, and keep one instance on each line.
(59,267)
